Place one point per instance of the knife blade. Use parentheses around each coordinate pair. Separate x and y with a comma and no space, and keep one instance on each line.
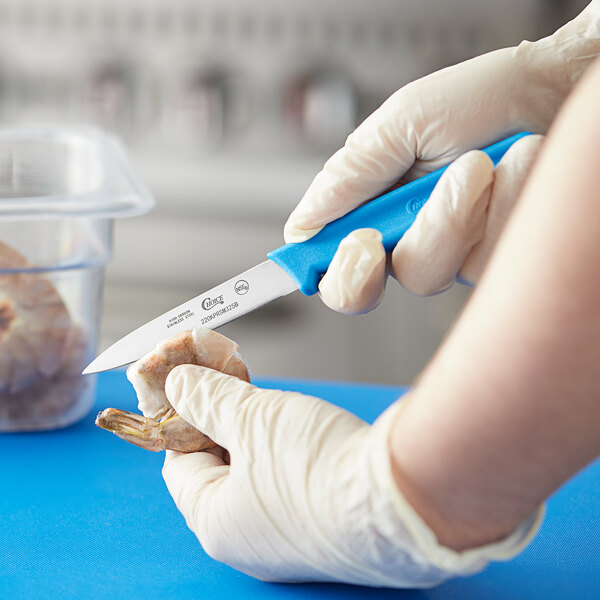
(288,268)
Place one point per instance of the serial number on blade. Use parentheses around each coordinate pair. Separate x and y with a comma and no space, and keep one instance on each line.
(186,314)
(218,313)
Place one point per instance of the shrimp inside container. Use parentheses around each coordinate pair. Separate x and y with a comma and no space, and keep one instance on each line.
(60,190)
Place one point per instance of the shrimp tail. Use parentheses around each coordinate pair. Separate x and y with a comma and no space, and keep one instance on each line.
(171,433)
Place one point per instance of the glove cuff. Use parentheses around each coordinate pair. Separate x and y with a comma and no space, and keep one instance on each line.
(444,562)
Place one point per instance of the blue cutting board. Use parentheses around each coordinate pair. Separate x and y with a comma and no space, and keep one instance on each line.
(86,515)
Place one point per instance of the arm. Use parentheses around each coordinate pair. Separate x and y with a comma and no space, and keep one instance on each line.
(507,411)
(510,406)
(311,492)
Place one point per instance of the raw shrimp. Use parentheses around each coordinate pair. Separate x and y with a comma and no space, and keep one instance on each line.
(162,428)
(34,324)
(168,432)
(54,401)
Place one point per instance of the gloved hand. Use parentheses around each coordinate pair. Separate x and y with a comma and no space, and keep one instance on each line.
(428,124)
(308,494)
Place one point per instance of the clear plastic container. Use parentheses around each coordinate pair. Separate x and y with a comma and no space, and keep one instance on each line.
(60,189)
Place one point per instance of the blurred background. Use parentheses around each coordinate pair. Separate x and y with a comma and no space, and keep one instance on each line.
(228,109)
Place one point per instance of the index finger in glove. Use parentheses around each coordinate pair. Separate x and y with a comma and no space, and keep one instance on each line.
(355,280)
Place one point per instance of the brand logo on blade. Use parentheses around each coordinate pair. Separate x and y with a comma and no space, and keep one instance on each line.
(241,287)
(208,303)
(414,205)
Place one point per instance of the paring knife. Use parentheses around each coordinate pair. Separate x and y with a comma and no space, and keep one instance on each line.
(290,267)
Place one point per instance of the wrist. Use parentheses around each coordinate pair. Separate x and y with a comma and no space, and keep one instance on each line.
(401,527)
(449,500)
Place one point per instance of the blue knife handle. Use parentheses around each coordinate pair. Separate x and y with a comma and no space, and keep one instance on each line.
(392,214)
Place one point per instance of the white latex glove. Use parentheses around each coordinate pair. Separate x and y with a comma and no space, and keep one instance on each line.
(426,125)
(308,494)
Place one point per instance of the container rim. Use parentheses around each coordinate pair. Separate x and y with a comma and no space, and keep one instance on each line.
(134,200)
